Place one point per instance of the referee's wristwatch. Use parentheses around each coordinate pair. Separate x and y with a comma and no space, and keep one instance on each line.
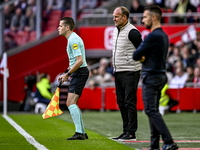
(68,73)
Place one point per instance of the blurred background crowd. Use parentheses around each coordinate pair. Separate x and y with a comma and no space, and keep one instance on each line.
(183,61)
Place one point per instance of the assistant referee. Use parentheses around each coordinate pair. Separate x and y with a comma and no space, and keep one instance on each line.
(78,71)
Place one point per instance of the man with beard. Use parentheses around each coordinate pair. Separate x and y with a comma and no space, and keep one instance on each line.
(152,52)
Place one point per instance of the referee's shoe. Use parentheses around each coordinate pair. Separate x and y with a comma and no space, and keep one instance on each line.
(78,136)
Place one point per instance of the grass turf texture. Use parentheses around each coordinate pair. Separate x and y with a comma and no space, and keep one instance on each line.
(53,132)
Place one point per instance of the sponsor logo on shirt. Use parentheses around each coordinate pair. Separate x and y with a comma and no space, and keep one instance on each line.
(75,46)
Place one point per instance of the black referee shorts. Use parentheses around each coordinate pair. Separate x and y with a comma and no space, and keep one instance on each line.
(79,78)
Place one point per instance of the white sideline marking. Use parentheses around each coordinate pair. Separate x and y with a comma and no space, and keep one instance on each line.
(28,137)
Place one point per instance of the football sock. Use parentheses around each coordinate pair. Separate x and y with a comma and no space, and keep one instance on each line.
(82,126)
(76,117)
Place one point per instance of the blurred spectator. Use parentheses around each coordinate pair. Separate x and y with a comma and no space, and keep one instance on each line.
(54,4)
(170,49)
(197,76)
(160,3)
(86,4)
(28,102)
(29,21)
(104,62)
(191,18)
(66,6)
(32,6)
(178,64)
(197,64)
(164,99)
(175,56)
(178,81)
(91,80)
(187,58)
(195,50)
(190,73)
(149,2)
(165,102)
(9,42)
(21,4)
(169,73)
(43,90)
(195,3)
(17,21)
(198,7)
(103,76)
(8,17)
(136,7)
(171,3)
(110,68)
(182,7)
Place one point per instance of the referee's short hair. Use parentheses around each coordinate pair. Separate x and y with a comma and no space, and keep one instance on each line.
(155,10)
(68,21)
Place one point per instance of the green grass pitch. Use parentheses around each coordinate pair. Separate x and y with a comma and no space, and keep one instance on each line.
(53,132)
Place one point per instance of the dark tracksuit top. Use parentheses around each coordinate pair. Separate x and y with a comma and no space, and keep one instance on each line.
(154,48)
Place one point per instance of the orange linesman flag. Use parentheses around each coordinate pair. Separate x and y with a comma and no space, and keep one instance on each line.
(53,107)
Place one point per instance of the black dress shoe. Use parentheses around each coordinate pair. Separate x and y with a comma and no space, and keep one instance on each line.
(172,146)
(86,136)
(116,138)
(128,137)
(77,136)
(149,148)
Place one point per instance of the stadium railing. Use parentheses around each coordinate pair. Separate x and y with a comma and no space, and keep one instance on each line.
(106,18)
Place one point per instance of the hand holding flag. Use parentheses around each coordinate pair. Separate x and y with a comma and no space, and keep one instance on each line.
(53,107)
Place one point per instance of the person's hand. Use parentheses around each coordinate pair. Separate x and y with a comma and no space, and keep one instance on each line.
(142,59)
(63,78)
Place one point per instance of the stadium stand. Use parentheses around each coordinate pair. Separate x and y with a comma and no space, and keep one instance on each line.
(42,54)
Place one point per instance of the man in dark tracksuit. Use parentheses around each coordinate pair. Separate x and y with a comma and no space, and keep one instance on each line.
(152,52)
(126,38)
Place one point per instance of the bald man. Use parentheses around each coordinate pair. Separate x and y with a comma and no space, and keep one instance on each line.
(126,38)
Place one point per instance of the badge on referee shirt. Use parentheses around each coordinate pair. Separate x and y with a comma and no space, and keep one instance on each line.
(75,46)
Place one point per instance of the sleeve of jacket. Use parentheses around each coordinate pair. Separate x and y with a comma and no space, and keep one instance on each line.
(144,48)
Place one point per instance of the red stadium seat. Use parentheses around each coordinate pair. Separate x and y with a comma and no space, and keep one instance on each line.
(32,35)
(22,37)
(53,20)
(67,13)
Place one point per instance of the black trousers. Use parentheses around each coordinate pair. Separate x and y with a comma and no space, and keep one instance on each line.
(151,92)
(126,90)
